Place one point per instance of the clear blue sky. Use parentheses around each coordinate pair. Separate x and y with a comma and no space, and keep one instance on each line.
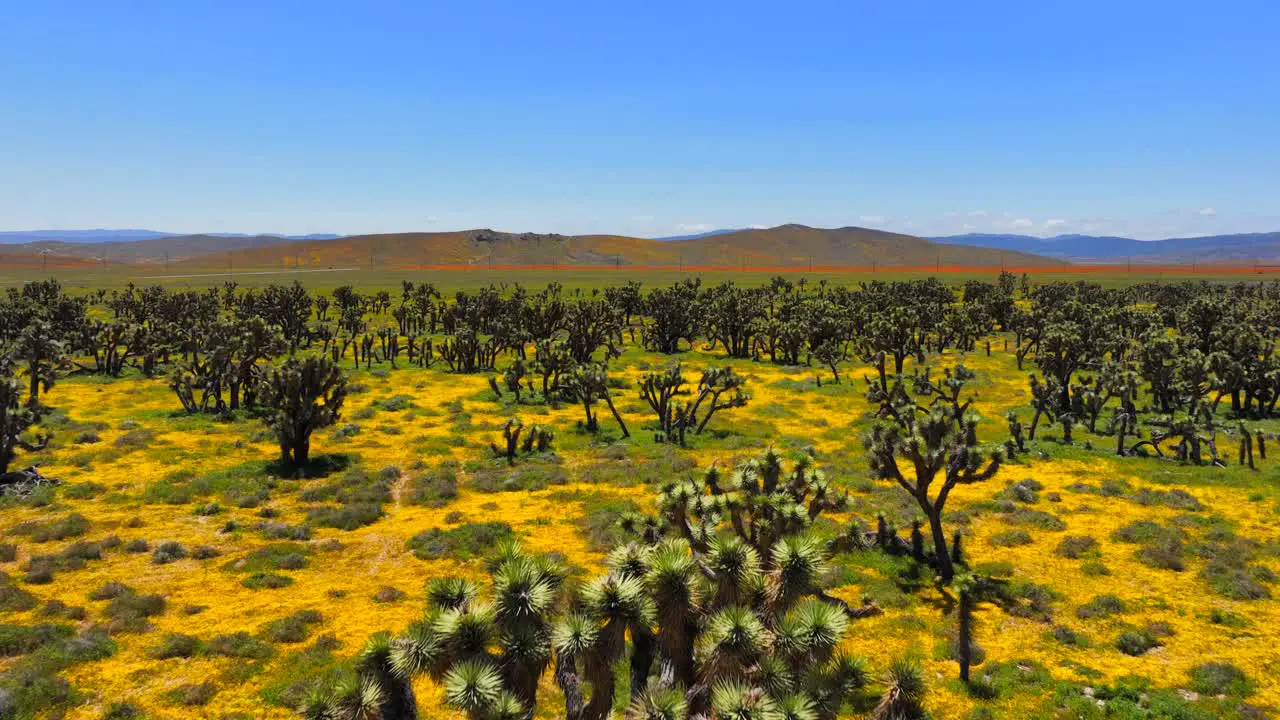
(654,118)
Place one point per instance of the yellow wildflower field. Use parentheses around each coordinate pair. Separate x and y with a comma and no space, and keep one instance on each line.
(138,469)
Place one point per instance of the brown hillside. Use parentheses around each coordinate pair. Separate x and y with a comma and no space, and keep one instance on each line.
(786,245)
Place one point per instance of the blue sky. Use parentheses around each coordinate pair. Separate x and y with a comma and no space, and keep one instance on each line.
(1141,118)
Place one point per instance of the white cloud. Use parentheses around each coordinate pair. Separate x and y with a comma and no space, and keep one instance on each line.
(969,226)
(871,218)
(1208,212)
(1022,223)
(695,227)
(757,227)
(1055,222)
(977,213)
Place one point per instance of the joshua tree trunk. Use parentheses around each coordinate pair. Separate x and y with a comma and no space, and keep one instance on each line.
(965,650)
(943,559)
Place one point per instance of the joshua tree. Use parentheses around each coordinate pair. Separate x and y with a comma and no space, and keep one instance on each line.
(536,440)
(940,439)
(40,351)
(487,654)
(588,384)
(15,416)
(302,396)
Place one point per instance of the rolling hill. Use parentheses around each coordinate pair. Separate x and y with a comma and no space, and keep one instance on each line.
(146,251)
(1241,248)
(786,245)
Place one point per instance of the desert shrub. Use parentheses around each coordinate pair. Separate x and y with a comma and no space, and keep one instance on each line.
(360,497)
(1227,618)
(345,517)
(8,552)
(278,556)
(462,542)
(272,530)
(1027,517)
(388,594)
(110,591)
(239,645)
(1217,678)
(1136,642)
(73,525)
(1235,582)
(167,552)
(292,629)
(23,639)
(135,439)
(137,545)
(1011,538)
(395,403)
(57,608)
(176,645)
(1101,606)
(207,509)
(435,488)
(192,694)
(86,437)
(205,552)
(14,598)
(83,491)
(129,611)
(532,475)
(31,685)
(1162,555)
(1076,546)
(1067,636)
(122,711)
(346,430)
(266,581)
(1146,531)
(1094,568)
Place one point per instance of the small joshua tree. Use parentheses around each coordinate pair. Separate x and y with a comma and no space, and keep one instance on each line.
(589,384)
(302,396)
(536,440)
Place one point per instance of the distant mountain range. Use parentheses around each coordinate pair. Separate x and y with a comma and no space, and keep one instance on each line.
(18,237)
(783,246)
(1248,247)
(695,236)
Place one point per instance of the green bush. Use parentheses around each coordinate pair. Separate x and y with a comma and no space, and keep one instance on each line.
(1011,538)
(168,552)
(8,552)
(176,645)
(266,581)
(1218,678)
(12,597)
(436,488)
(192,694)
(292,629)
(277,556)
(73,525)
(462,542)
(239,645)
(1101,606)
(1136,642)
(110,591)
(128,612)
(23,639)
(1236,583)
(1076,546)
(388,594)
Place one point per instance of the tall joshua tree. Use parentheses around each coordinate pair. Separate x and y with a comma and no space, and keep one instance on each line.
(939,446)
(16,417)
(302,396)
